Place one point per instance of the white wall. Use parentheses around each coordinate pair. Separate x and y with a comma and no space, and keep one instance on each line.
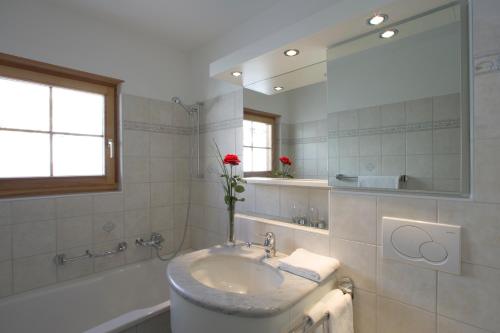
(149,67)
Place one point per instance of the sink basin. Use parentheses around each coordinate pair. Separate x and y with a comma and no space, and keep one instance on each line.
(236,274)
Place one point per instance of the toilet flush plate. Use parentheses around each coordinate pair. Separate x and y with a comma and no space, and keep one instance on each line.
(430,245)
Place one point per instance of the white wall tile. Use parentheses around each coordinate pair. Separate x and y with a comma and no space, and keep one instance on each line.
(5,213)
(136,196)
(472,297)
(393,144)
(161,144)
(136,222)
(135,143)
(395,317)
(267,200)
(107,203)
(107,226)
(406,283)
(358,261)
(5,278)
(161,112)
(33,210)
(162,169)
(370,145)
(446,325)
(446,141)
(135,169)
(135,108)
(393,114)
(108,262)
(419,166)
(162,218)
(74,231)
(486,180)
(70,206)
(314,242)
(365,311)
(354,217)
(446,166)
(5,242)
(33,238)
(162,194)
(419,142)
(33,272)
(369,117)
(137,253)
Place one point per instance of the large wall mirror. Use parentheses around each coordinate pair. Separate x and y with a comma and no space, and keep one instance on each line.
(398,110)
(366,107)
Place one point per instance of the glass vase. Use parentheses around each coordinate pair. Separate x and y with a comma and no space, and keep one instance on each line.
(230,232)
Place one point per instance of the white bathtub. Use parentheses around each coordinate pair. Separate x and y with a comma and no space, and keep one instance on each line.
(107,302)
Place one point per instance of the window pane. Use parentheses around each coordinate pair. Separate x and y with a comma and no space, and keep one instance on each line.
(24,154)
(261,159)
(24,105)
(78,155)
(261,135)
(247,133)
(247,159)
(77,112)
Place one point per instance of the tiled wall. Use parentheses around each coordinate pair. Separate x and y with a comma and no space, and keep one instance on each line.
(276,202)
(420,139)
(306,143)
(222,122)
(33,230)
(394,297)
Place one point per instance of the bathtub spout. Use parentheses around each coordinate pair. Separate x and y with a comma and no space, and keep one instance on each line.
(155,241)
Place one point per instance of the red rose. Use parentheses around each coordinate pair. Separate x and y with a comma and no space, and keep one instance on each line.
(231,159)
(285,160)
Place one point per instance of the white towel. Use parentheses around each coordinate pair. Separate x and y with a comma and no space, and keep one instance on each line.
(339,306)
(309,265)
(391,182)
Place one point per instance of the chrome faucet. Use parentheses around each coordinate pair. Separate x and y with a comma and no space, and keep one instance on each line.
(269,244)
(155,241)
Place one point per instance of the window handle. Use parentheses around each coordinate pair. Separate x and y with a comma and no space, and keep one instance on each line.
(110,147)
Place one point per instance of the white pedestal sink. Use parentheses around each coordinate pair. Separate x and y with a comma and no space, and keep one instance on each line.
(235,289)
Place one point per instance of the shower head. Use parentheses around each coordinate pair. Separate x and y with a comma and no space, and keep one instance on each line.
(189,108)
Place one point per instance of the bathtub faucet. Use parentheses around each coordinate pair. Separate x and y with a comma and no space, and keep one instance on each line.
(155,241)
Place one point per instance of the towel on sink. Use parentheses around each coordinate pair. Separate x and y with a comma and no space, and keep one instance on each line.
(309,265)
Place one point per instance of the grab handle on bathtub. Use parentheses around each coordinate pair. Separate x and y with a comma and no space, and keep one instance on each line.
(62,259)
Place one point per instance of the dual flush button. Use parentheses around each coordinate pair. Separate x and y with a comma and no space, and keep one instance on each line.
(430,245)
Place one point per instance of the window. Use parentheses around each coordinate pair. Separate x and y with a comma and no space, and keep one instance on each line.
(58,129)
(258,138)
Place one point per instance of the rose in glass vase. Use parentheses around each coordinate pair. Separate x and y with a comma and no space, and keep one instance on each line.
(233,185)
(285,168)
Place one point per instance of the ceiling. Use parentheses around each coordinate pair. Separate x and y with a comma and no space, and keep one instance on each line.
(188,24)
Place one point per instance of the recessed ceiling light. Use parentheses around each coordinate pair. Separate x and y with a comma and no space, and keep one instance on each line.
(377,19)
(236,74)
(278,88)
(291,52)
(389,33)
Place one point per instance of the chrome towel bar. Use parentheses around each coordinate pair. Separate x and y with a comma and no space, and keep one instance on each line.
(345,285)
(62,259)
(339,176)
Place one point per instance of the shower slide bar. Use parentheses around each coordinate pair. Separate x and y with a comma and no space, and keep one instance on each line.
(306,326)
(62,259)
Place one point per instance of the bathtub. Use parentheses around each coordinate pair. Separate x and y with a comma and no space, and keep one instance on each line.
(106,302)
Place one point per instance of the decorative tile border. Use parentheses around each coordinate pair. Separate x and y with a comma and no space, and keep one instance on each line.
(317,139)
(487,64)
(417,127)
(146,127)
(221,125)
(182,130)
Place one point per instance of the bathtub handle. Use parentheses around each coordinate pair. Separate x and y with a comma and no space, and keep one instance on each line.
(62,259)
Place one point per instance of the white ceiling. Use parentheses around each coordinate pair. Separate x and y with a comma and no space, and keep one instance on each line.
(188,24)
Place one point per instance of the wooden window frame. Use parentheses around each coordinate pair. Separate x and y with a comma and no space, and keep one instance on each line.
(268,118)
(34,71)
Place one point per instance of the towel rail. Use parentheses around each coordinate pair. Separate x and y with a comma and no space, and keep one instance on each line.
(62,259)
(339,176)
(345,285)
